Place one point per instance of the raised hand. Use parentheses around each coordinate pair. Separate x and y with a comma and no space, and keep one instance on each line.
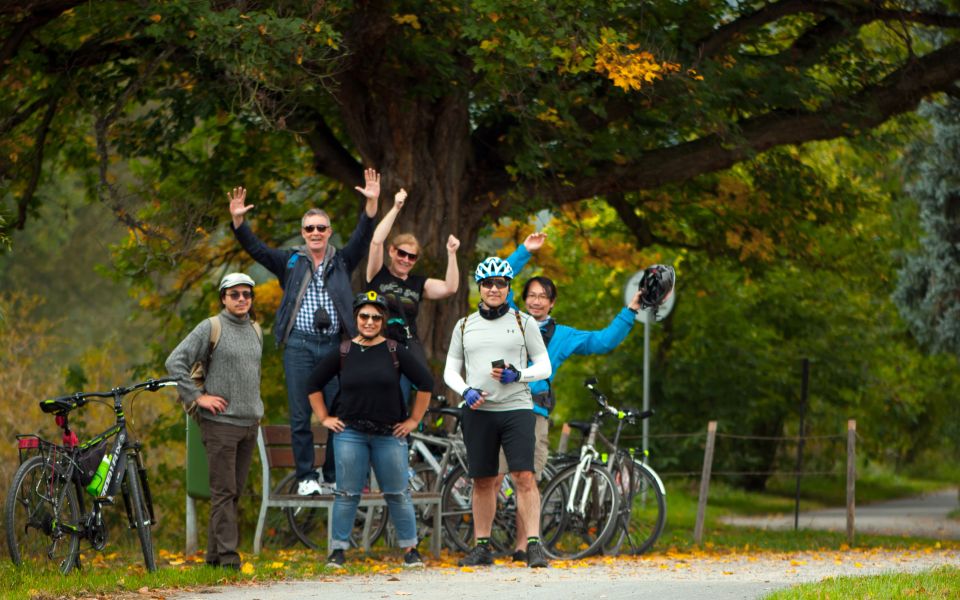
(534,241)
(399,199)
(238,209)
(452,244)
(371,189)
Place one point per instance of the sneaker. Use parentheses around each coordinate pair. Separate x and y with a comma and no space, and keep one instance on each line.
(479,555)
(412,559)
(309,487)
(519,556)
(336,560)
(536,557)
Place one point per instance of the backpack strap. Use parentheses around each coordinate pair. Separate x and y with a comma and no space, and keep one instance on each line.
(344,350)
(216,328)
(392,348)
(259,330)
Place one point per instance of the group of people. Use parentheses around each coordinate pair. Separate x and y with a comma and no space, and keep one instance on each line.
(355,361)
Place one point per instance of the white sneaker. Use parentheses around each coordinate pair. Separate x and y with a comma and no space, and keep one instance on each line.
(309,487)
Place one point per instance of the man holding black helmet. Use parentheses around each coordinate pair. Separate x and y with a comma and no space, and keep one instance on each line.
(315,310)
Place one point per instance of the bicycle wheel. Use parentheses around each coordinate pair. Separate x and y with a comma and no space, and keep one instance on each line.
(571,534)
(308,525)
(456,501)
(42,516)
(646,514)
(456,505)
(140,513)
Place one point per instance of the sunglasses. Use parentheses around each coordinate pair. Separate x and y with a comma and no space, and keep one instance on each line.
(376,318)
(495,283)
(408,255)
(235,295)
(320,228)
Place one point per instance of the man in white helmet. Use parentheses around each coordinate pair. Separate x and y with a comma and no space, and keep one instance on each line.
(500,350)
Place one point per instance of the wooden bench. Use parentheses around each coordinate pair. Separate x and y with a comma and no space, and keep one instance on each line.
(273,441)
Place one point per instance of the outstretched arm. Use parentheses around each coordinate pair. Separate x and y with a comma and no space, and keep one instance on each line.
(434,289)
(375,256)
(521,256)
(370,191)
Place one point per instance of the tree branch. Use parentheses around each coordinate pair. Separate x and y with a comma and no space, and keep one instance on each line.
(330,157)
(897,93)
(23,203)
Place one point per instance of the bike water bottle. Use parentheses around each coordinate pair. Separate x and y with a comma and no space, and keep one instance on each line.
(96,484)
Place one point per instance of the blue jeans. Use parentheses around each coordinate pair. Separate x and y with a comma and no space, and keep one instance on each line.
(355,452)
(300,355)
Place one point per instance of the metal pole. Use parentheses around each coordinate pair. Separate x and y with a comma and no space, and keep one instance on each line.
(648,317)
(851,478)
(804,381)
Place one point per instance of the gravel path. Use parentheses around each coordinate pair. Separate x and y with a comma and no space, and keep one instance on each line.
(669,577)
(924,516)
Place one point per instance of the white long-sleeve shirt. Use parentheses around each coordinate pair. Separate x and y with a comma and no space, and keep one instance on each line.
(477,342)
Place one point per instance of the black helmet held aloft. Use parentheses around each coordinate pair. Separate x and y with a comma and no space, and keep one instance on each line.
(656,285)
(370,297)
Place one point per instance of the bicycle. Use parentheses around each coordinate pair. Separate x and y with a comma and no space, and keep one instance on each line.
(587,502)
(45,512)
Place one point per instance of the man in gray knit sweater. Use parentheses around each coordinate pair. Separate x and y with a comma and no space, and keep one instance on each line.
(228,408)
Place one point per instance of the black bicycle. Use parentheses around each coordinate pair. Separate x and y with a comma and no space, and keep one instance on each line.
(45,512)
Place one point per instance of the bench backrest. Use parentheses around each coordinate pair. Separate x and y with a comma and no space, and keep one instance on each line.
(279,453)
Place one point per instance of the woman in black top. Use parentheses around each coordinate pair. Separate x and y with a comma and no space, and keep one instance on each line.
(372,424)
(402,289)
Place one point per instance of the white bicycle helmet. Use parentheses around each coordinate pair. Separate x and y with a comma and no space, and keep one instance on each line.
(493,266)
(233,279)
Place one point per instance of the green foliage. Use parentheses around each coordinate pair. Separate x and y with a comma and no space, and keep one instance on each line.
(928,280)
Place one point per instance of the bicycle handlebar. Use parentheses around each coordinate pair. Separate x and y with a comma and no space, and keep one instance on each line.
(629,413)
(67,403)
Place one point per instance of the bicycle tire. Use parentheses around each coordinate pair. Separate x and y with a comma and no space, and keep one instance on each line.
(567,534)
(456,502)
(647,514)
(141,514)
(41,497)
(309,525)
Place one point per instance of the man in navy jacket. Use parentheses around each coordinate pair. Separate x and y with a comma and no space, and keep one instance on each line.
(315,310)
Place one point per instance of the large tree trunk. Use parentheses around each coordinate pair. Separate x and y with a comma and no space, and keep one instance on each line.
(423,146)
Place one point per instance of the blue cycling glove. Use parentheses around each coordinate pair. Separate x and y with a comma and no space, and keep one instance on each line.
(472,396)
(509,374)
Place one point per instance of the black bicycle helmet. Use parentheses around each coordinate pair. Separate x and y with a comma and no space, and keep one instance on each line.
(656,285)
(370,297)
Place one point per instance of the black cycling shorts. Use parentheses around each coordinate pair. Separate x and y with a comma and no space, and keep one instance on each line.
(485,431)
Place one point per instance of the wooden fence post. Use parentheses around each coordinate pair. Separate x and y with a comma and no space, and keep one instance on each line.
(705,481)
(851,477)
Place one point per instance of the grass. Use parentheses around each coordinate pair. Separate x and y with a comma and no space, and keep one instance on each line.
(937,583)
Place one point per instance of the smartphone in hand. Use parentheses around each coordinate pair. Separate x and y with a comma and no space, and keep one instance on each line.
(498,364)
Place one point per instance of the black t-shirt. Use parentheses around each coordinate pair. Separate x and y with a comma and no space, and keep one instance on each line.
(369,383)
(403,299)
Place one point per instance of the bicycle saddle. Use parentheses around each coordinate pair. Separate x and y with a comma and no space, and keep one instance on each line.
(61,405)
(581,426)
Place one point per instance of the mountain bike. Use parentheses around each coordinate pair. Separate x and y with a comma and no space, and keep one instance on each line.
(45,511)
(587,507)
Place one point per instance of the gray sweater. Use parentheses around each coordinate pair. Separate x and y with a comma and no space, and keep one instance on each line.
(233,371)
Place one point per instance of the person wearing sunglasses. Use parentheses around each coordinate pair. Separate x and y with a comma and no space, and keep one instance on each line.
(371,421)
(315,308)
(228,407)
(402,289)
(539,297)
(501,351)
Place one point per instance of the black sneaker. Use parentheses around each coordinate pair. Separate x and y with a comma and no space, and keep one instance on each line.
(519,556)
(479,555)
(412,559)
(536,557)
(336,559)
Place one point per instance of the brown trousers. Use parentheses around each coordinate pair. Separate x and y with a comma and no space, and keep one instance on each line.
(229,454)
